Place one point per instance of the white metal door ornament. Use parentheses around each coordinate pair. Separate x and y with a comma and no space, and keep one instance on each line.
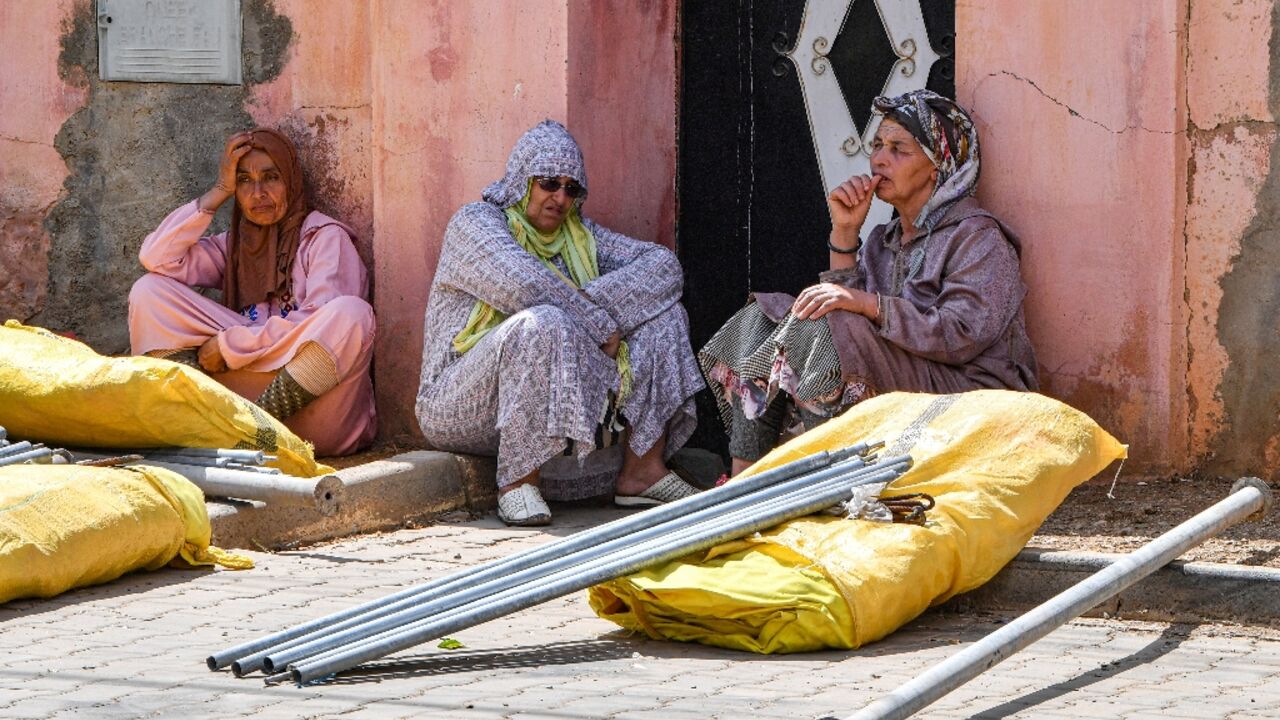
(842,150)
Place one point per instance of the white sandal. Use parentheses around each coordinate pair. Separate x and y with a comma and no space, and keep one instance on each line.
(524,507)
(668,489)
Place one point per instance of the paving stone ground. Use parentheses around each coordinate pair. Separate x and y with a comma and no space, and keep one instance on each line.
(135,648)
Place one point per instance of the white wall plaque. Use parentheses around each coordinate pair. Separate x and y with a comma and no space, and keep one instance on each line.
(843,150)
(180,41)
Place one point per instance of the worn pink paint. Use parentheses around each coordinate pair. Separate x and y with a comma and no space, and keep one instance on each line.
(622,107)
(34,102)
(1084,156)
(322,100)
(1228,68)
(440,137)
(1230,167)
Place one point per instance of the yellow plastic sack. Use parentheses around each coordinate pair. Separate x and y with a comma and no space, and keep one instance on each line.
(60,392)
(997,462)
(67,526)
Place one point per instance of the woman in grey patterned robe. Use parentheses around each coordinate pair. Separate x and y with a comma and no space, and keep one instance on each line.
(547,336)
(931,303)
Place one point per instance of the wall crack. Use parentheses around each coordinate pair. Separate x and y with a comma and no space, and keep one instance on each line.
(11,138)
(364,106)
(1073,111)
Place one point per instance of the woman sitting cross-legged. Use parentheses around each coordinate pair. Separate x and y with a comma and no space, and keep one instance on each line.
(294,331)
(931,303)
(547,334)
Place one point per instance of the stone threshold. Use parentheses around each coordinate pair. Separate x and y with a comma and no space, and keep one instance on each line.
(409,489)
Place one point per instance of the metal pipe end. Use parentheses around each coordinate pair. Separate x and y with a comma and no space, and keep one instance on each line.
(276,679)
(239,670)
(268,666)
(1268,499)
(296,674)
(212,662)
(329,495)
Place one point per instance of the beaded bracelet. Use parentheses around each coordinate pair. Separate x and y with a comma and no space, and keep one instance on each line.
(842,251)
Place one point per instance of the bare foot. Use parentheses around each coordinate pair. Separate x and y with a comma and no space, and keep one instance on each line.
(640,472)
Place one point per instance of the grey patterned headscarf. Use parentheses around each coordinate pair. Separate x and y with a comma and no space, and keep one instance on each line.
(546,150)
(949,139)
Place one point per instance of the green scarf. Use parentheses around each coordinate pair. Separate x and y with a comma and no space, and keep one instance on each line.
(573,243)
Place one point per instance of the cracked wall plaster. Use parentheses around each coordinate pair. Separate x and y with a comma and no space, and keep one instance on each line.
(135,152)
(1248,320)
(1230,291)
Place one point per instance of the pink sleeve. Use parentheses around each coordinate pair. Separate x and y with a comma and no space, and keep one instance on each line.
(178,249)
(330,268)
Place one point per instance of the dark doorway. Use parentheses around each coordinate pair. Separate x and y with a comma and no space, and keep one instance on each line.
(752,211)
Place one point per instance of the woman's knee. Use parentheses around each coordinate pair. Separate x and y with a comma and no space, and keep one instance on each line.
(542,320)
(149,288)
(351,311)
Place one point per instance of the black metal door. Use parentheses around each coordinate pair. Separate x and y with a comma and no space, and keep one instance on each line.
(752,211)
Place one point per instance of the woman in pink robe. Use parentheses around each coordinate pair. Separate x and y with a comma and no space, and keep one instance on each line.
(294,332)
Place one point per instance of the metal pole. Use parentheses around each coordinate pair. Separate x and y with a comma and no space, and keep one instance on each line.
(323,493)
(189,460)
(1249,497)
(253,468)
(702,537)
(361,628)
(587,538)
(34,454)
(249,457)
(15,448)
(467,588)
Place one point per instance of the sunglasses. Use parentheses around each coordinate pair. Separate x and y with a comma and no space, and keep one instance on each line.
(571,188)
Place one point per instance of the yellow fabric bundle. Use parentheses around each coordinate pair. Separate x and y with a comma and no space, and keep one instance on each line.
(997,462)
(60,392)
(67,526)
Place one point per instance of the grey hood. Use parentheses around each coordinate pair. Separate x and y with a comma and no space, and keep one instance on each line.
(546,150)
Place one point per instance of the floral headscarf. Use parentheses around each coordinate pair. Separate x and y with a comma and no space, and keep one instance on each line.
(949,139)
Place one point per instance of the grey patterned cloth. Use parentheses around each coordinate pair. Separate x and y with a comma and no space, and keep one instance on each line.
(951,315)
(540,379)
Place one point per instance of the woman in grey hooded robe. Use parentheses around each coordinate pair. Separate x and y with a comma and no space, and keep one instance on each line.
(521,355)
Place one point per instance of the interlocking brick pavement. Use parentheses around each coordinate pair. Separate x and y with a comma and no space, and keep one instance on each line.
(135,648)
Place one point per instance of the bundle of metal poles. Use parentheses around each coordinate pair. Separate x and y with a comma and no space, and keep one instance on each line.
(238,473)
(319,648)
(26,452)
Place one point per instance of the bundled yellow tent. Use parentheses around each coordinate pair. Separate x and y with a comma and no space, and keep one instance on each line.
(66,526)
(60,392)
(997,462)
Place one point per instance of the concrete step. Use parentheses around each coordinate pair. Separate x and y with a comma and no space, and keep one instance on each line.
(407,489)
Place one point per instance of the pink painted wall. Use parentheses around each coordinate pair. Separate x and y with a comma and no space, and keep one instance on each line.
(34,102)
(450,101)
(1132,153)
(451,96)
(322,98)
(1080,106)
(622,109)
(399,124)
